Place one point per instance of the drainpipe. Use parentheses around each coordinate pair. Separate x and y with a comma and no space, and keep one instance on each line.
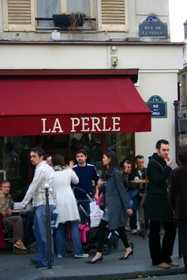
(176,106)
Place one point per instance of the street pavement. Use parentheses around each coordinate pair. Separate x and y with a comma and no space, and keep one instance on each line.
(166,277)
(19,267)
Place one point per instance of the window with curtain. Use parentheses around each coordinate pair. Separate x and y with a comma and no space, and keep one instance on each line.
(22,15)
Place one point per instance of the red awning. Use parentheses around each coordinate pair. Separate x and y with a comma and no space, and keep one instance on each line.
(65,105)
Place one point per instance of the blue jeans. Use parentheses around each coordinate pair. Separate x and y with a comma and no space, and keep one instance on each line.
(41,236)
(133,219)
(61,247)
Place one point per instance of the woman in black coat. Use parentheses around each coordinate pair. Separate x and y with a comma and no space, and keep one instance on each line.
(117,207)
(178,199)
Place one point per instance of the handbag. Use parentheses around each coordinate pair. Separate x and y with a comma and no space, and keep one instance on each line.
(95,214)
(101,201)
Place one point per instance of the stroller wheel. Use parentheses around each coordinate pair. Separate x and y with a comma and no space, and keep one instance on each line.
(107,247)
(86,249)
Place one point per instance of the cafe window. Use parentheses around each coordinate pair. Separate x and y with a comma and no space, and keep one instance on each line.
(15,153)
(96,144)
(122,144)
(15,161)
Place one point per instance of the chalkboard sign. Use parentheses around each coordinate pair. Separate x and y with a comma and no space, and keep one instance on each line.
(2,175)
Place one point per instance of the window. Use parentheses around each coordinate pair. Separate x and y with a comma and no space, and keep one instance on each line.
(112,15)
(46,9)
(183,90)
(96,144)
(122,144)
(20,15)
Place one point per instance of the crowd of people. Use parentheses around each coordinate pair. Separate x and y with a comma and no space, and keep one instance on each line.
(158,190)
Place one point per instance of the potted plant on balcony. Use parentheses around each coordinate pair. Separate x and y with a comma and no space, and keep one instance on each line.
(72,20)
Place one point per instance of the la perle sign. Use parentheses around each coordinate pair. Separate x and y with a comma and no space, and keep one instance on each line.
(81,124)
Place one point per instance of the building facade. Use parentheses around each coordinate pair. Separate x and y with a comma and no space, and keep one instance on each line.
(107,77)
(182,104)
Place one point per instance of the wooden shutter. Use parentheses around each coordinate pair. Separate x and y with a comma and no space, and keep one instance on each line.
(19,15)
(112,15)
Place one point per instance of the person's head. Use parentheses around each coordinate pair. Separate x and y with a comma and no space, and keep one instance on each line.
(182,156)
(48,159)
(36,155)
(110,160)
(57,159)
(81,157)
(139,162)
(126,166)
(5,187)
(162,147)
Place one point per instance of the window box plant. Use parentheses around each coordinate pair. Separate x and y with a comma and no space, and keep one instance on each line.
(72,20)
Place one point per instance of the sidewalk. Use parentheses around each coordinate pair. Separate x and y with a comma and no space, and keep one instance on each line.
(19,266)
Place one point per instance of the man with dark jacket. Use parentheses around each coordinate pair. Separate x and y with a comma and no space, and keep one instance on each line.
(178,198)
(157,207)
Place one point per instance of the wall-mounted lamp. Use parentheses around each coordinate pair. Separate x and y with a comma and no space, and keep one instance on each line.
(114,61)
(113,49)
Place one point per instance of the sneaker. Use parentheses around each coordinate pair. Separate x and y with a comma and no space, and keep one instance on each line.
(134,231)
(19,245)
(38,265)
(59,256)
(41,265)
(18,251)
(173,264)
(164,265)
(81,256)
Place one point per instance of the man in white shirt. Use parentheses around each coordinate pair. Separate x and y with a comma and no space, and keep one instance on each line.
(43,176)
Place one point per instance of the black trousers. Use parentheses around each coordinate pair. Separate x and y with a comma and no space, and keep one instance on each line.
(161,252)
(101,235)
(182,227)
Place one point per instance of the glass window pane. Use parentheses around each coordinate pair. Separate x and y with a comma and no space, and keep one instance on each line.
(46,9)
(16,164)
(91,143)
(78,6)
(122,144)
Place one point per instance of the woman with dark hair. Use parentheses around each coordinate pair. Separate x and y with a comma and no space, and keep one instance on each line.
(66,202)
(117,206)
(178,198)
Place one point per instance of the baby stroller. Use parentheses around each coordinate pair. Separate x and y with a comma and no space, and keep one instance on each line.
(88,234)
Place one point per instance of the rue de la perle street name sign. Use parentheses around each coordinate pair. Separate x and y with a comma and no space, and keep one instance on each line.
(153,26)
(157,106)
